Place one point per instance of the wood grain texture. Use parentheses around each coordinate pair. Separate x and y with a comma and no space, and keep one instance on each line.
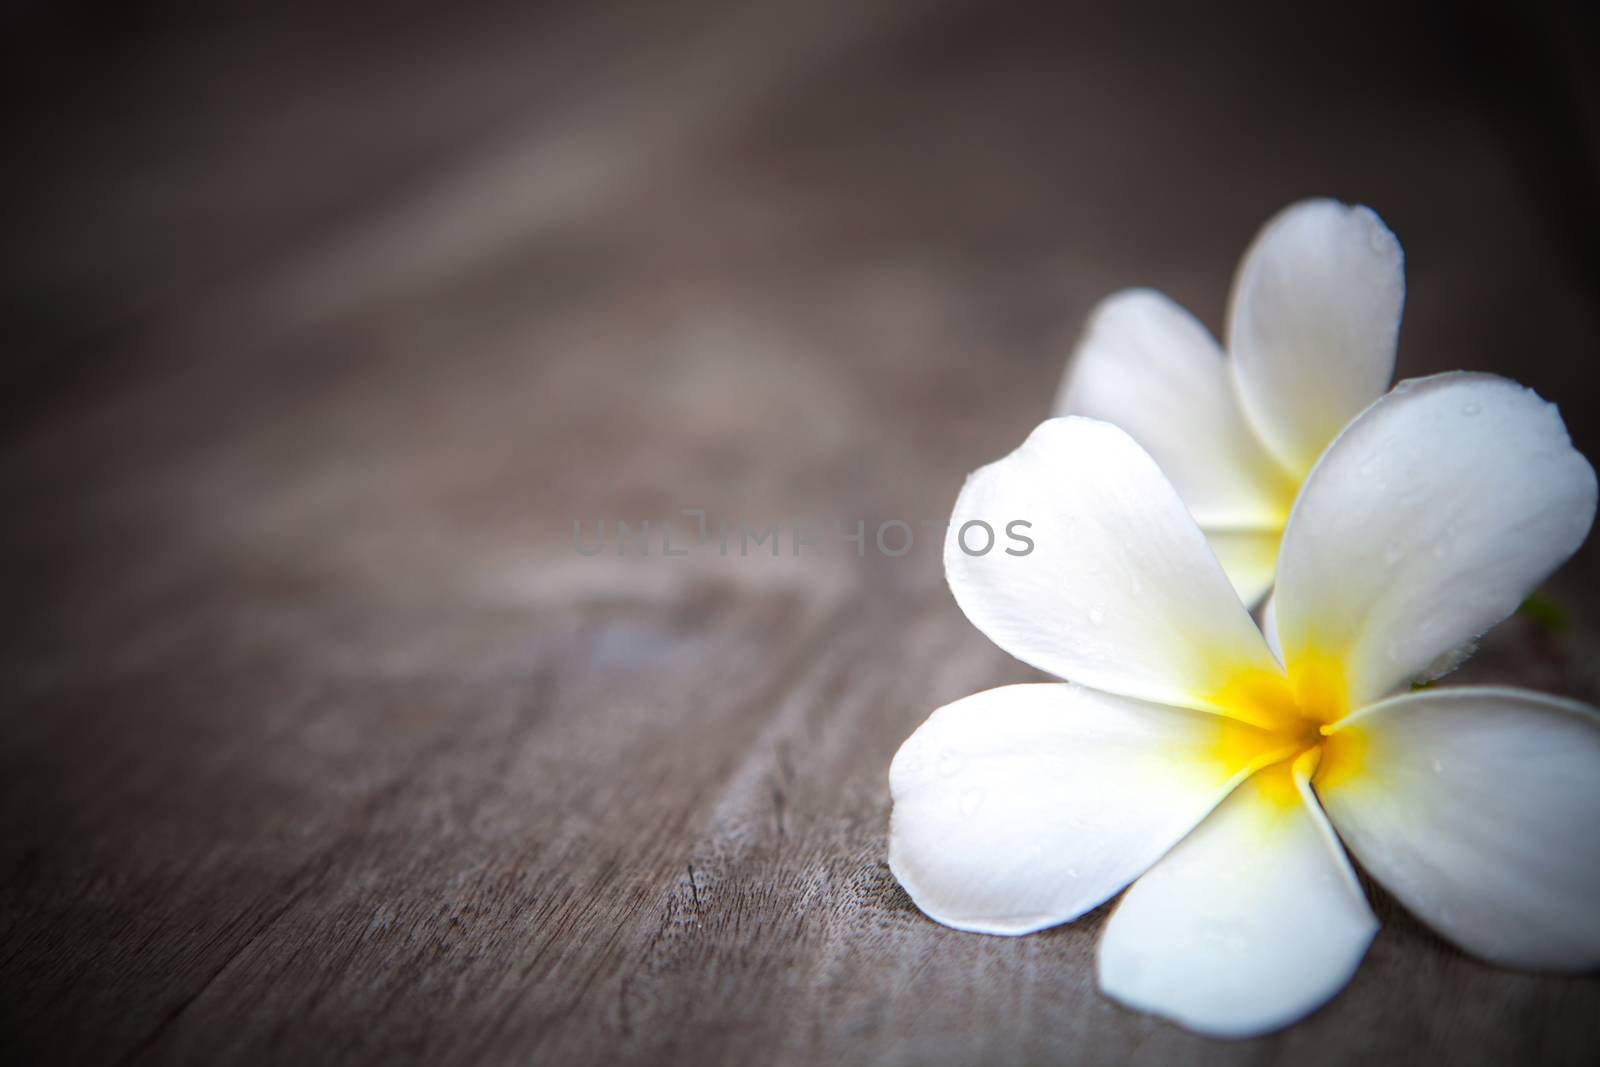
(321,743)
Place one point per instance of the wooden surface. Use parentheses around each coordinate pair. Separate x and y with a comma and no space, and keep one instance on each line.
(320,742)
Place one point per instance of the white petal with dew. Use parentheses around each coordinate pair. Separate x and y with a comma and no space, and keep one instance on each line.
(1146,365)
(1480,809)
(1250,923)
(1428,521)
(1313,323)
(1025,806)
(1120,591)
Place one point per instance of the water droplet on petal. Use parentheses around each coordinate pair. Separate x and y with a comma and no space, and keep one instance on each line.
(1438,765)
(1097,616)
(1470,410)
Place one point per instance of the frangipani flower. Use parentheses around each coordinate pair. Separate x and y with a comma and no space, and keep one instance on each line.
(1312,327)
(1186,754)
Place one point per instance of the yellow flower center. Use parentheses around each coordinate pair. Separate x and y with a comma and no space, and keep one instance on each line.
(1292,717)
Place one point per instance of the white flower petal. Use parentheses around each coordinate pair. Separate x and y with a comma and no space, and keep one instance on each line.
(1251,922)
(1250,558)
(1428,521)
(1480,809)
(1313,322)
(1269,626)
(1026,806)
(1120,591)
(1146,365)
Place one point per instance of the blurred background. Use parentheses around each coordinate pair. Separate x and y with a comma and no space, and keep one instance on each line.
(321,327)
